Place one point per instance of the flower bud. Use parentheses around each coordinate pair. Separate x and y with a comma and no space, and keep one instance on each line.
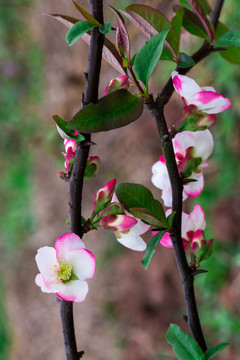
(201,248)
(103,196)
(114,208)
(93,164)
(121,82)
(117,222)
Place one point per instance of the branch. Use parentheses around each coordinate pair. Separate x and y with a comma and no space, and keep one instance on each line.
(77,176)
(157,107)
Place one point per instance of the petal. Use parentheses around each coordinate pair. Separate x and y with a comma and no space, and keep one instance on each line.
(83,263)
(185,86)
(51,286)
(194,188)
(207,88)
(160,177)
(203,144)
(187,225)
(46,261)
(140,228)
(183,141)
(67,242)
(184,219)
(75,291)
(166,240)
(117,222)
(198,218)
(210,102)
(132,241)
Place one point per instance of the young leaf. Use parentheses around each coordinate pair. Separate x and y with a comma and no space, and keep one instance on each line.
(77,31)
(211,352)
(170,218)
(185,61)
(150,251)
(184,346)
(229,39)
(105,28)
(193,25)
(147,216)
(68,21)
(231,54)
(86,15)
(113,111)
(138,196)
(122,38)
(148,56)
(151,22)
(177,26)
(63,126)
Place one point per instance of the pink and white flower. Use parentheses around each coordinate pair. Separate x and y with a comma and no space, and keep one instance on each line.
(194,241)
(199,99)
(131,238)
(121,82)
(64,268)
(192,149)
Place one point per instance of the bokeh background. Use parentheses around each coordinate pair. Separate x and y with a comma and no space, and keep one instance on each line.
(128,310)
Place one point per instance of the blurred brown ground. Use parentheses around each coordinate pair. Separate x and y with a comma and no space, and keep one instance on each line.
(142,302)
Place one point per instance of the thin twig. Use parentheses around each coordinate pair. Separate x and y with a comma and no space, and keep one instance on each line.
(77,176)
(157,109)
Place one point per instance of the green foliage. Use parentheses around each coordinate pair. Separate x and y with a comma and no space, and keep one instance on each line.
(211,352)
(231,54)
(229,39)
(184,346)
(185,61)
(113,111)
(150,251)
(134,196)
(77,31)
(147,58)
(86,14)
(105,28)
(63,126)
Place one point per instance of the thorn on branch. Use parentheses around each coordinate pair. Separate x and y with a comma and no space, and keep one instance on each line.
(80,354)
(197,272)
(87,143)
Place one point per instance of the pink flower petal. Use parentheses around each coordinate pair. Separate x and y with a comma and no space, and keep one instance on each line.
(194,188)
(210,102)
(185,87)
(166,240)
(67,242)
(83,263)
(183,141)
(49,285)
(198,218)
(46,261)
(75,291)
(160,177)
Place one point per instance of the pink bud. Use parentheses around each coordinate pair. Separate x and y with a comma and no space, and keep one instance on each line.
(103,196)
(70,143)
(201,247)
(117,222)
(121,82)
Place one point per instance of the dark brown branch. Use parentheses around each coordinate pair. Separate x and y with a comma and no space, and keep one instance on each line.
(157,108)
(77,176)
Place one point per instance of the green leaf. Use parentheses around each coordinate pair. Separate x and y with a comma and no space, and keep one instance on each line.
(149,55)
(113,111)
(150,251)
(63,126)
(147,216)
(193,25)
(138,196)
(184,346)
(211,352)
(77,31)
(229,39)
(185,4)
(232,54)
(170,218)
(85,14)
(177,26)
(105,28)
(185,61)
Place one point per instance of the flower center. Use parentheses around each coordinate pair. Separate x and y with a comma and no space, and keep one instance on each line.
(64,271)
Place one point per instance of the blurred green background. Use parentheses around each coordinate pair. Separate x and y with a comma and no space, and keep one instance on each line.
(27,138)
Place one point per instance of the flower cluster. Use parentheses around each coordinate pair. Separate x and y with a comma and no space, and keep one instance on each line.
(114,217)
(192,149)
